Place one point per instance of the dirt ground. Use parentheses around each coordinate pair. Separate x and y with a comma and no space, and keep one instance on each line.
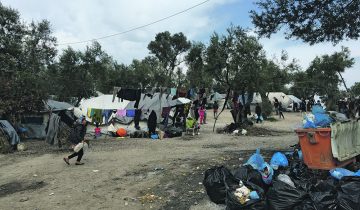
(133,173)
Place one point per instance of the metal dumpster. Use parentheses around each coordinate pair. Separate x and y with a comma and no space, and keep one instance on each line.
(328,148)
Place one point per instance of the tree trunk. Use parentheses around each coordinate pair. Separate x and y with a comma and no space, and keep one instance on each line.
(78,101)
(347,90)
(226,100)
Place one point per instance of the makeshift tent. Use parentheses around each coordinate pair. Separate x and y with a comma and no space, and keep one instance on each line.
(146,104)
(36,122)
(9,130)
(282,97)
(255,99)
(294,99)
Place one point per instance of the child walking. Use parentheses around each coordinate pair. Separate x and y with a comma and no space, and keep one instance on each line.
(202,114)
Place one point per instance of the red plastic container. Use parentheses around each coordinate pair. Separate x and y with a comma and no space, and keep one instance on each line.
(316,149)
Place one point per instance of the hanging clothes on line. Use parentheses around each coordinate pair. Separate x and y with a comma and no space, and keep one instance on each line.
(121,113)
(130,113)
(90,112)
(130,95)
(107,113)
(173,91)
(97,117)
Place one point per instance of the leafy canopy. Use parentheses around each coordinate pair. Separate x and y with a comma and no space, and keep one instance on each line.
(313,21)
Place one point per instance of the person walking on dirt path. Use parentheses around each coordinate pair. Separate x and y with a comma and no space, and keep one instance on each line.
(281,111)
(76,137)
(215,107)
(258,113)
(302,106)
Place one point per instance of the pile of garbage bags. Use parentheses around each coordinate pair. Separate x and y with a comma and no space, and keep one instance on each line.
(285,183)
(318,118)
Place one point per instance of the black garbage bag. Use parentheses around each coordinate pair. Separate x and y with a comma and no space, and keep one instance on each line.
(232,202)
(323,194)
(249,174)
(307,204)
(283,196)
(214,182)
(348,193)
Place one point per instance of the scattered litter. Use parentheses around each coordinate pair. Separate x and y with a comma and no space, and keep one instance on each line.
(148,198)
(95,171)
(24,199)
(35,175)
(52,194)
(243,132)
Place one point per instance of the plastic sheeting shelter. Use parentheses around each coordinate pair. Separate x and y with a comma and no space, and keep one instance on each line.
(282,97)
(256,99)
(294,99)
(146,104)
(35,123)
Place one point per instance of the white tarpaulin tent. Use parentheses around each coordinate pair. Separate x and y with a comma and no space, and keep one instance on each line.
(147,104)
(282,97)
(294,99)
(256,99)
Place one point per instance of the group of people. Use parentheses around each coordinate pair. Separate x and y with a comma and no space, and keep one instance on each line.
(278,108)
(350,107)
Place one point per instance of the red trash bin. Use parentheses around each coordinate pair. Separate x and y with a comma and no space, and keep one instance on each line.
(316,149)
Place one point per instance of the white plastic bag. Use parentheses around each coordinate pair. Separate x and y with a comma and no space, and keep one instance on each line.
(78,147)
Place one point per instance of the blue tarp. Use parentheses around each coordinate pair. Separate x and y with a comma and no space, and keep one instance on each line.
(10,132)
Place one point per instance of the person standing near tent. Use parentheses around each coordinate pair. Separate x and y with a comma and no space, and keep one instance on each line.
(281,111)
(215,107)
(303,106)
(204,102)
(276,105)
(80,144)
(258,113)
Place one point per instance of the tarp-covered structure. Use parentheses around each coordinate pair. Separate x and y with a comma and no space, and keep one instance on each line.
(10,132)
(105,102)
(256,98)
(35,122)
(281,97)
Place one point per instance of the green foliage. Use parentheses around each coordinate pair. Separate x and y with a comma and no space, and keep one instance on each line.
(26,52)
(196,75)
(310,20)
(323,76)
(355,89)
(168,49)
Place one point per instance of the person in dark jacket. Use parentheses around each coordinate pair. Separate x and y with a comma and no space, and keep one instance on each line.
(258,113)
(77,136)
(281,111)
(276,105)
(215,107)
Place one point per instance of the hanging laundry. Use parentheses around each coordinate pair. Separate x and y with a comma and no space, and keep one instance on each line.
(107,113)
(130,113)
(97,117)
(90,112)
(173,91)
(130,95)
(121,113)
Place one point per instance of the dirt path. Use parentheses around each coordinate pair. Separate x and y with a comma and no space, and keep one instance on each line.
(131,173)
